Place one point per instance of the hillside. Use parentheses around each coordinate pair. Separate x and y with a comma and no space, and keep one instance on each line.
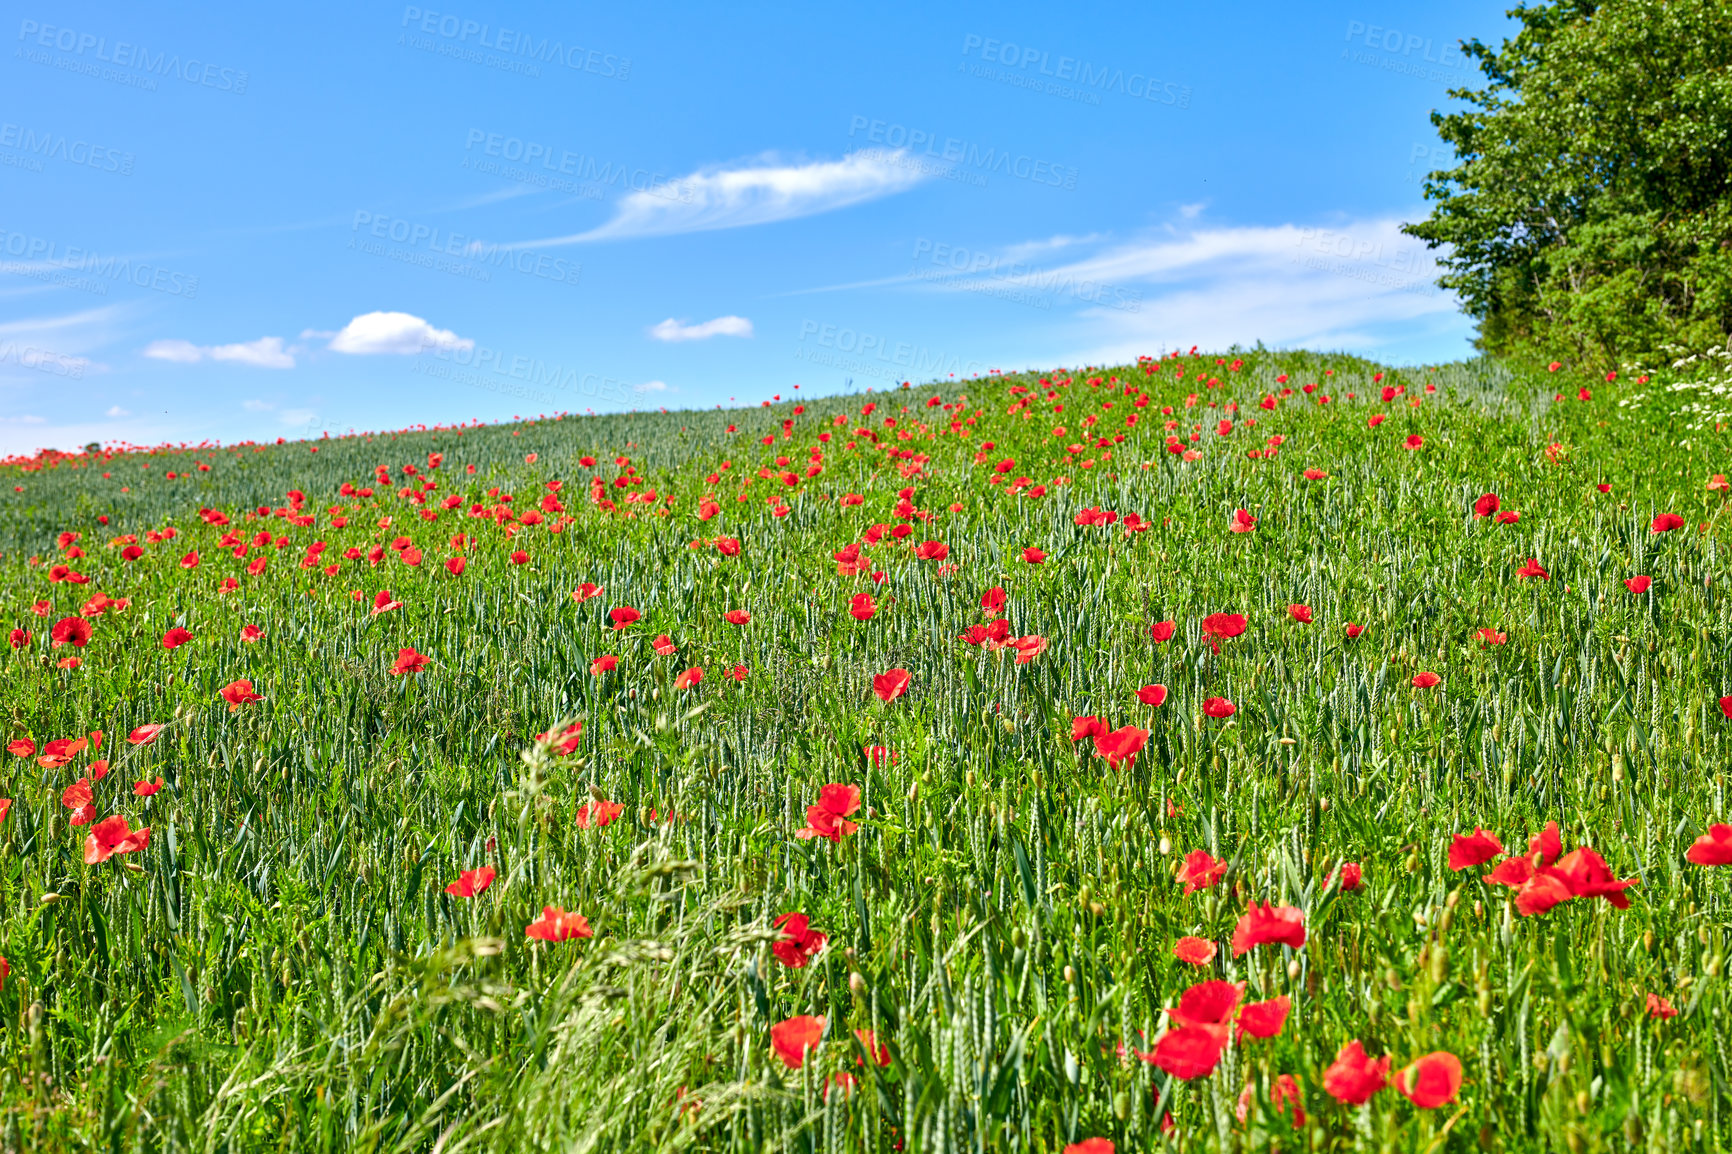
(1042,700)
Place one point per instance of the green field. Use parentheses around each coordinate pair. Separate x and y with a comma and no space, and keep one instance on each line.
(282,967)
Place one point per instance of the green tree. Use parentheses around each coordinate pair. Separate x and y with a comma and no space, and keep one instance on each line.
(1589,214)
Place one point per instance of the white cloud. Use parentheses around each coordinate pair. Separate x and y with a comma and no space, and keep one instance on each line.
(655,387)
(178,351)
(264,353)
(755,194)
(399,334)
(117,411)
(257,406)
(730,326)
(298,417)
(24,419)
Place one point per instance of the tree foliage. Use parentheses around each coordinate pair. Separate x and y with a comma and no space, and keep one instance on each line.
(1589,214)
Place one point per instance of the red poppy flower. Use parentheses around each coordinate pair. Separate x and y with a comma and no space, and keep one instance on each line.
(1199,871)
(1354,630)
(1473,849)
(110,836)
(23,747)
(1315,475)
(1300,613)
(20,638)
(1508,517)
(1354,1076)
(1121,746)
(606,663)
(1218,627)
(1242,522)
(1660,1008)
(689,678)
(737,617)
(146,788)
(1425,680)
(664,645)
(1282,925)
(799,943)
(78,796)
(1514,872)
(862,607)
(456,565)
(1219,707)
(1414,441)
(1155,695)
(932,551)
(556,925)
(257,565)
(383,602)
(190,560)
(1486,505)
(585,591)
(1713,848)
(1352,876)
(827,819)
(598,814)
(792,1037)
(623,616)
(564,742)
(472,883)
(1666,522)
(1638,585)
(1196,951)
(251,634)
(1162,631)
(1264,1019)
(1082,728)
(1431,1081)
(408,661)
(519,557)
(1533,569)
(891,684)
(1033,555)
(739,672)
(992,601)
(145,734)
(238,693)
(1089,1146)
(878,1051)
(1546,844)
(175,638)
(73,631)
(1028,648)
(1492,636)
(1188,1052)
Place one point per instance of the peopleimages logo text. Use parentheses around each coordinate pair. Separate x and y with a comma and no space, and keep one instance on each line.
(914,143)
(80,152)
(123,54)
(415,234)
(511,42)
(1081,73)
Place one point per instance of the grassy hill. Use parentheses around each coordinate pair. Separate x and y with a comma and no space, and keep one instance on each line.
(1003,847)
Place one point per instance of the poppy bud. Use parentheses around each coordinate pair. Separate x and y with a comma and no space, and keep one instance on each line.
(857,985)
(1069,976)
(1293,970)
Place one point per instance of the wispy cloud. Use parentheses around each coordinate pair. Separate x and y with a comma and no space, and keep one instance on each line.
(1355,285)
(655,387)
(673,330)
(758,193)
(264,353)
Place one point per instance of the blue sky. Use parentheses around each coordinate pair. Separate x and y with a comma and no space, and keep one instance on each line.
(250,223)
